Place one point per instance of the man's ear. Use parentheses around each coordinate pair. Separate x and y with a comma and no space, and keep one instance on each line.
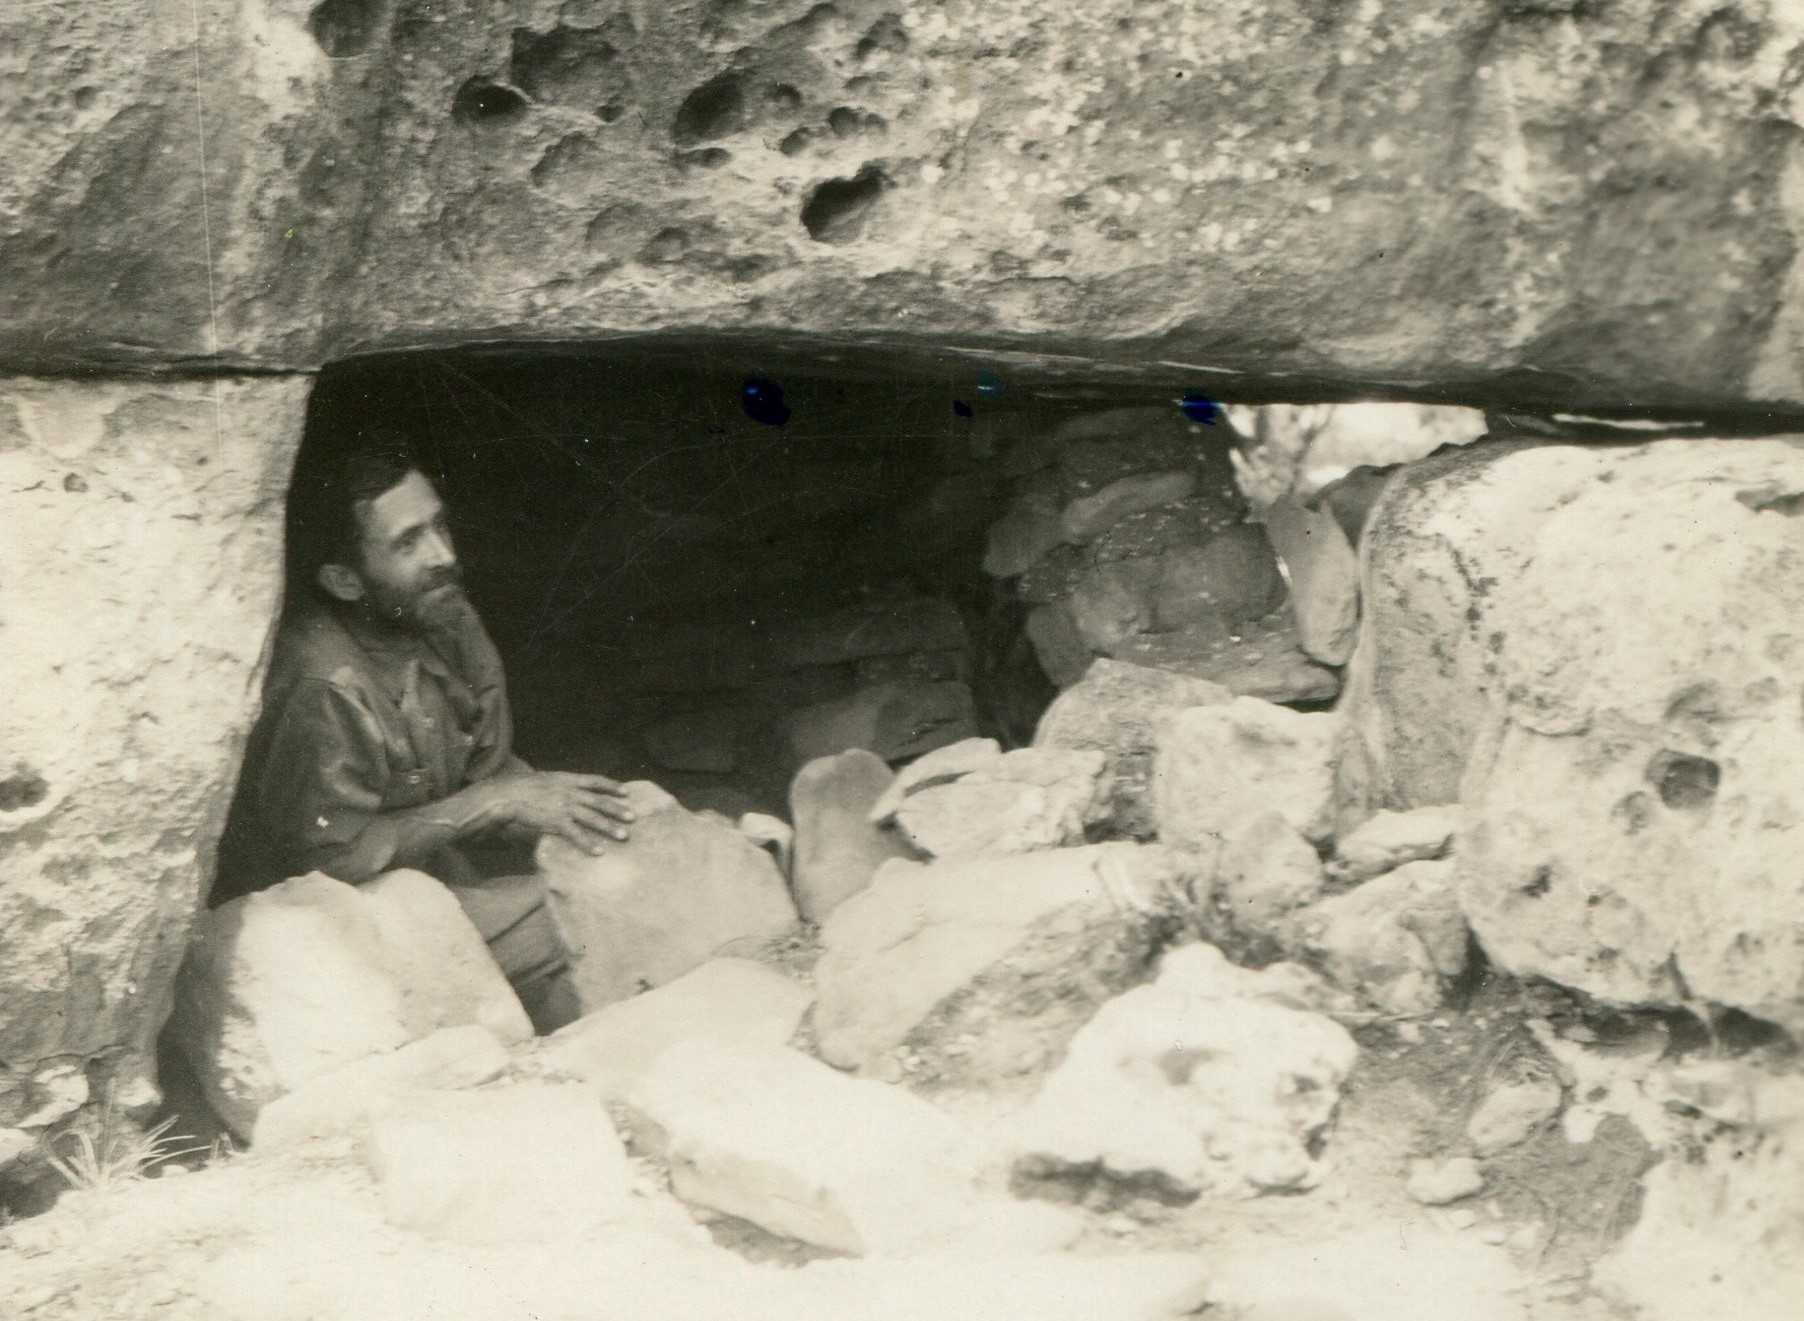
(340,582)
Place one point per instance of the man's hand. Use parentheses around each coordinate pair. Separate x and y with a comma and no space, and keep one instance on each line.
(581,808)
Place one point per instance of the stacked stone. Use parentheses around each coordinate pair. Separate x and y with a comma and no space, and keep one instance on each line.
(1127,537)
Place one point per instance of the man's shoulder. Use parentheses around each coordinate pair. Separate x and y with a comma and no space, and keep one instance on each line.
(314,647)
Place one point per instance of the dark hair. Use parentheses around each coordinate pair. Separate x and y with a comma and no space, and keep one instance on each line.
(323,500)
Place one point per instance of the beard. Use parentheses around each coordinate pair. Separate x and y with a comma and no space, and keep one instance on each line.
(430,605)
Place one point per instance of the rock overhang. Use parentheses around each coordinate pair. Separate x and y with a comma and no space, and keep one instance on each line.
(1490,201)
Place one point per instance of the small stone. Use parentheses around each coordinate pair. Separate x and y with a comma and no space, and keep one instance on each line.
(1387,840)
(1437,1183)
(838,849)
(1462,1218)
(519,1164)
(940,766)
(1396,940)
(1510,1113)
(772,834)
(1324,578)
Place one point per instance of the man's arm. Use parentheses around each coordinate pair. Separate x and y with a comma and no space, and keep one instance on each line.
(322,785)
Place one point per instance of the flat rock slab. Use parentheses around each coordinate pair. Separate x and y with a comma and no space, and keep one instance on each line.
(731,999)
(298,980)
(1117,709)
(345,1100)
(837,847)
(779,1139)
(1390,839)
(1031,798)
(1396,940)
(1219,767)
(1180,1089)
(521,1163)
(897,955)
(664,902)
(1090,515)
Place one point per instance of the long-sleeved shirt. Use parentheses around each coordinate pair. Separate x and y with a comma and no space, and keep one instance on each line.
(359,722)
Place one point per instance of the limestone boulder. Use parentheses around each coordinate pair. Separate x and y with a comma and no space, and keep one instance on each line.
(524,1163)
(1397,941)
(1179,1090)
(728,999)
(775,1137)
(144,526)
(1264,872)
(662,903)
(1593,651)
(1219,767)
(1118,709)
(838,847)
(998,960)
(297,981)
(346,1100)
(570,174)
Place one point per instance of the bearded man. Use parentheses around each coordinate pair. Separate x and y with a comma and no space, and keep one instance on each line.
(385,738)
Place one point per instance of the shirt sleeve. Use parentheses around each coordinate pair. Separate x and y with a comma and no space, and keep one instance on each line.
(322,785)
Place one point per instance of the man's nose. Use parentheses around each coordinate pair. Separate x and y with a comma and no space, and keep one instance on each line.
(439,551)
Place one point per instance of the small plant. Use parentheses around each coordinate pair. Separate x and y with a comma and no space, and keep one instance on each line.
(118,1157)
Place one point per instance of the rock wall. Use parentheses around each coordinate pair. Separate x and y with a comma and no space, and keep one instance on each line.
(1409,196)
(1594,651)
(131,641)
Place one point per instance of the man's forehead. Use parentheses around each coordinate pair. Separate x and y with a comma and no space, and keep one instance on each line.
(405,505)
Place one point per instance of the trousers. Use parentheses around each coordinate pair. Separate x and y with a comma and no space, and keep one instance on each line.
(513,915)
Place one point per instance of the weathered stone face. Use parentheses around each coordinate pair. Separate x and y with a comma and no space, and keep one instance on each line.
(130,649)
(1595,652)
(1406,194)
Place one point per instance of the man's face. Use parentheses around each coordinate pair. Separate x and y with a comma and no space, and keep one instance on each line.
(407,565)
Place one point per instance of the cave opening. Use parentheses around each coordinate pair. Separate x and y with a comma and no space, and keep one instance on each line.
(704,565)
